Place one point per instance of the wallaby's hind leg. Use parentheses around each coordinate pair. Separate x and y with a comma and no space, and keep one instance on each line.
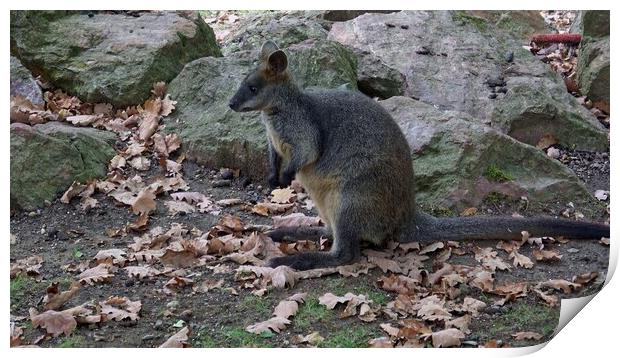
(296,233)
(346,249)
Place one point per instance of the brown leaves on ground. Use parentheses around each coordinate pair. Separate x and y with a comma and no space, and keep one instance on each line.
(29,265)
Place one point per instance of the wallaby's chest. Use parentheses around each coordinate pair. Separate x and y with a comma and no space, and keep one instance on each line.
(276,139)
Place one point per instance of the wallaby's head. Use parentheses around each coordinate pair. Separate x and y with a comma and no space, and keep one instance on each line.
(258,88)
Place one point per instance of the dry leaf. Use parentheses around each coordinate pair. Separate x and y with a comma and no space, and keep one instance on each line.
(283,196)
(141,272)
(97,274)
(148,125)
(450,337)
(469,212)
(432,247)
(566,286)
(521,260)
(546,255)
(265,208)
(117,256)
(53,322)
(140,163)
(275,324)
(75,189)
(144,203)
(167,106)
(520,336)
(54,299)
(178,340)
(295,220)
(118,308)
(179,207)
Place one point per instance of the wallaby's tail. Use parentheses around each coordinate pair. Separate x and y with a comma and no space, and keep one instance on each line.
(429,228)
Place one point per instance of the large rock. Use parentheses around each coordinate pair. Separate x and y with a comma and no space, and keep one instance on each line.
(47,158)
(453,155)
(284,28)
(344,15)
(457,61)
(111,58)
(594,59)
(23,84)
(215,135)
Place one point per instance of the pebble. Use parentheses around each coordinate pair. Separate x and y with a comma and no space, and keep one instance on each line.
(573,250)
(509,56)
(226,174)
(221,183)
(186,315)
(172,304)
(553,153)
(158,324)
(148,337)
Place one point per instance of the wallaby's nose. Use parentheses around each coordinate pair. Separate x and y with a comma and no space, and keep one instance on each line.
(232,105)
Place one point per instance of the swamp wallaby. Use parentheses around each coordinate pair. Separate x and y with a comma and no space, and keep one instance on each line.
(355,163)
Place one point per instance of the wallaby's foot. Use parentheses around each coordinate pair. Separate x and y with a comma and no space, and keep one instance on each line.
(297,233)
(287,178)
(273,181)
(310,260)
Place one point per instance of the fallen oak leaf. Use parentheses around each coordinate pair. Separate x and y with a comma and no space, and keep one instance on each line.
(520,336)
(97,274)
(546,255)
(141,272)
(177,340)
(275,324)
(295,220)
(54,299)
(283,196)
(118,308)
(450,337)
(144,202)
(53,322)
(75,189)
(565,286)
(520,260)
(179,207)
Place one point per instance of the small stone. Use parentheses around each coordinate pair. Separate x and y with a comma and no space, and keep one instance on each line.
(32,214)
(553,153)
(148,337)
(573,250)
(158,324)
(509,56)
(186,315)
(226,174)
(172,304)
(221,183)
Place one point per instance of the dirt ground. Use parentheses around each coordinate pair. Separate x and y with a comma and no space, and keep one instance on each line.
(63,234)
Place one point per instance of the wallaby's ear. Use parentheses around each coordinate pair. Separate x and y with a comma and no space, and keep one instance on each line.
(268,48)
(278,61)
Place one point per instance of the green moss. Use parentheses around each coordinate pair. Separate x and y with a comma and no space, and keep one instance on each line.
(493,173)
(496,198)
(463,18)
(349,338)
(72,341)
(522,317)
(238,337)
(22,287)
(310,313)
(257,305)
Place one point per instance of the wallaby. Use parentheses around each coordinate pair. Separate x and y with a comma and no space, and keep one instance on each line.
(355,163)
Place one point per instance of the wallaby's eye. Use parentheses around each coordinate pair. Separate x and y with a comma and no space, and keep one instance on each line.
(253,89)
